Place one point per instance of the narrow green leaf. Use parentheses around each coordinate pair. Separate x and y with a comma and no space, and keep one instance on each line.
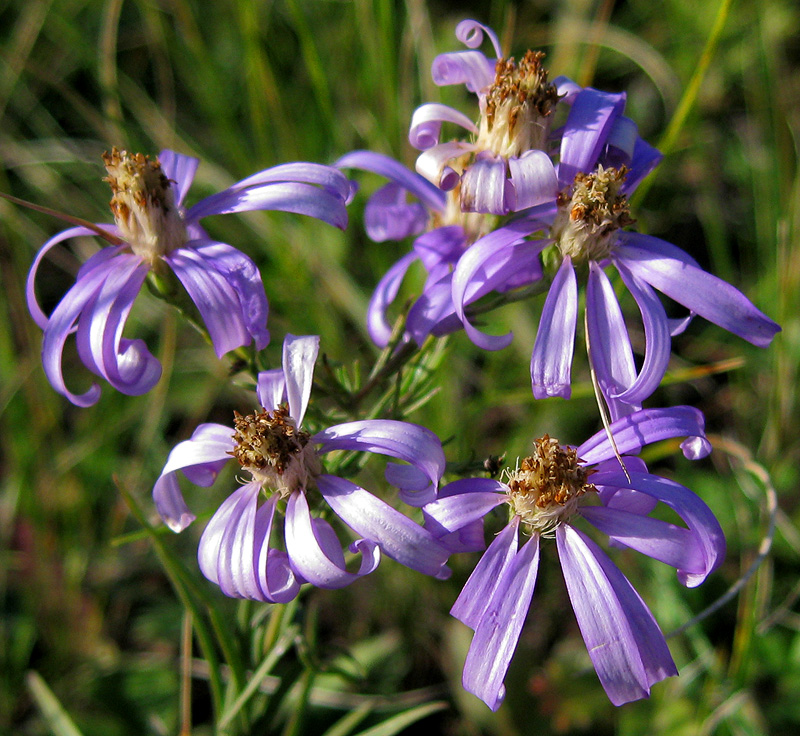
(53,712)
(397,723)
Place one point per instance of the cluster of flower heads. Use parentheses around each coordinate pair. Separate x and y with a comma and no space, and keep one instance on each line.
(536,199)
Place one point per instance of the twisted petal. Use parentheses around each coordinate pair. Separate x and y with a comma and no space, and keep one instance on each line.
(707,295)
(470,33)
(299,358)
(534,179)
(315,552)
(432,163)
(426,124)
(498,631)
(643,427)
(626,646)
(470,68)
(180,170)
(485,187)
(393,170)
(551,361)
(695,552)
(402,440)
(276,580)
(397,536)
(385,292)
(201,459)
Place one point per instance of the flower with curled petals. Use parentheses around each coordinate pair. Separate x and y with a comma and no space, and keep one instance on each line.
(545,497)
(154,232)
(286,470)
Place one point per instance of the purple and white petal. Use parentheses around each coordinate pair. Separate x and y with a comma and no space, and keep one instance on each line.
(299,358)
(327,177)
(624,642)
(470,68)
(398,537)
(567,89)
(462,502)
(497,633)
(271,388)
(534,179)
(485,187)
(426,124)
(180,170)
(432,163)
(551,361)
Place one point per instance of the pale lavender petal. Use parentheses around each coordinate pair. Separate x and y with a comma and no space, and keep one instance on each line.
(551,361)
(462,502)
(271,388)
(567,89)
(382,165)
(657,339)
(426,124)
(302,199)
(696,448)
(379,328)
(470,33)
(485,187)
(314,551)
(276,580)
(439,249)
(626,499)
(710,297)
(388,216)
(706,552)
(402,440)
(610,346)
(478,592)
(642,428)
(534,178)
(214,297)
(624,642)
(180,170)
(470,68)
(586,131)
(244,278)
(497,633)
(329,178)
(432,163)
(398,537)
(299,358)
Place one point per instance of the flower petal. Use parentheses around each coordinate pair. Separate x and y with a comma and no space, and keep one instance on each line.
(534,179)
(645,159)
(470,68)
(470,33)
(388,216)
(380,331)
(551,361)
(485,187)
(276,580)
(426,124)
(625,644)
(180,171)
(271,388)
(462,502)
(432,163)
(299,358)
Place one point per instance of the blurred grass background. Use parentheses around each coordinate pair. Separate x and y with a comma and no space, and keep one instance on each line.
(90,627)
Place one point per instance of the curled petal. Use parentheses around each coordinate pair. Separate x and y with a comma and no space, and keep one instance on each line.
(397,536)
(551,361)
(329,178)
(440,249)
(276,580)
(393,170)
(470,33)
(470,68)
(534,179)
(402,440)
(710,297)
(385,293)
(426,124)
(299,358)
(497,633)
(695,553)
(625,644)
(567,89)
(201,459)
(432,163)
(315,552)
(180,170)
(485,187)
(641,428)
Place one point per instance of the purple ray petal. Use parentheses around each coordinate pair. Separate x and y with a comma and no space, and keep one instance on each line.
(442,246)
(299,358)
(397,536)
(462,502)
(329,178)
(470,68)
(485,188)
(551,361)
(271,388)
(621,142)
(567,89)
(708,549)
(710,297)
(379,328)
(426,124)
(180,170)
(534,178)
(470,33)
(497,633)
(315,552)
(276,581)
(642,428)
(432,163)
(244,278)
(388,216)
(645,159)
(625,645)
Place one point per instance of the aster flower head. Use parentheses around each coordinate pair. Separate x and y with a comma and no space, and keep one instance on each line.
(546,496)
(154,232)
(283,468)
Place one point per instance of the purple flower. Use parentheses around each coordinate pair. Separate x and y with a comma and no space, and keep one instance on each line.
(284,463)
(153,231)
(544,495)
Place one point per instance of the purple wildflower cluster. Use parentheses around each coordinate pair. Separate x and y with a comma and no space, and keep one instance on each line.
(534,201)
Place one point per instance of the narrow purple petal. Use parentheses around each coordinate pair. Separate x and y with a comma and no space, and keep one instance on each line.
(462,502)
(432,163)
(645,159)
(470,68)
(621,142)
(271,388)
(567,89)
(379,328)
(426,124)
(551,361)
(398,537)
(485,187)
(388,216)
(470,33)
(497,634)
(625,644)
(534,179)
(276,580)
(329,178)
(299,358)
(180,170)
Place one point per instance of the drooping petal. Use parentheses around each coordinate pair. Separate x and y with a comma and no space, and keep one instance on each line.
(426,124)
(180,170)
(642,428)
(244,278)
(497,633)
(625,644)
(485,187)
(388,216)
(327,177)
(621,143)
(710,297)
(276,580)
(567,89)
(378,326)
(704,548)
(201,458)
(402,440)
(470,68)
(398,537)
(534,179)
(315,552)
(551,361)
(299,358)
(440,249)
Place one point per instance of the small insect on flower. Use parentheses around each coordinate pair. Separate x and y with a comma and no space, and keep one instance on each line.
(154,234)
